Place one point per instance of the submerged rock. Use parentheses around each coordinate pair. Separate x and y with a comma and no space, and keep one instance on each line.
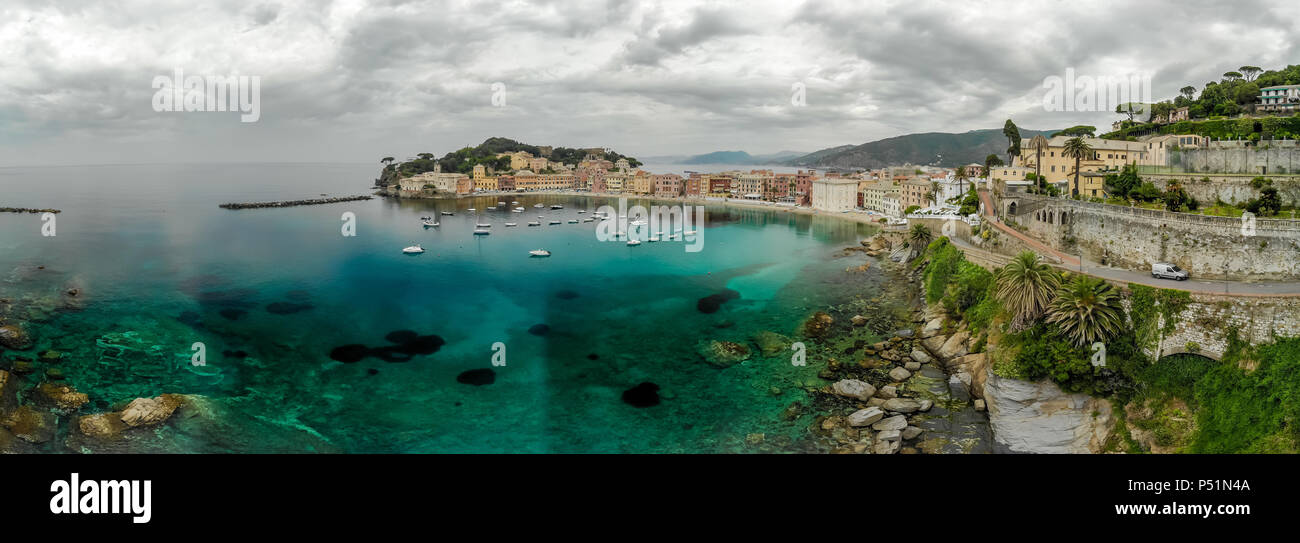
(14,336)
(643,395)
(539,329)
(477,377)
(63,398)
(771,343)
(30,424)
(287,308)
(818,325)
(102,425)
(724,354)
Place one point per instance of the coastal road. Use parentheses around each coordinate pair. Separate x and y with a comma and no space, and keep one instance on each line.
(1074,263)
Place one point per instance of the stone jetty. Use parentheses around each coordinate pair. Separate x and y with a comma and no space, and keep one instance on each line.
(27,210)
(292,203)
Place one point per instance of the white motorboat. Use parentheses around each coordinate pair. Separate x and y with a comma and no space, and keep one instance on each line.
(555,222)
(512,224)
(482,232)
(514,203)
(518,210)
(413,250)
(633,242)
(472,209)
(582,211)
(534,223)
(573,221)
(447,213)
(483,225)
(588,219)
(429,223)
(653,238)
(539,205)
(501,203)
(539,252)
(557,206)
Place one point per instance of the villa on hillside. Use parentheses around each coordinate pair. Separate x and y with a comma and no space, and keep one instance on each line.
(1283,99)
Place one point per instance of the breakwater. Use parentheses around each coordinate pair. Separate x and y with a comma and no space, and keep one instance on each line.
(293,203)
(27,210)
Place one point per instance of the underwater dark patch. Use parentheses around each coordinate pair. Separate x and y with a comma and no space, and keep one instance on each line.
(299,295)
(349,353)
(713,302)
(406,346)
(287,308)
(477,377)
(539,330)
(643,395)
(238,355)
(593,356)
(566,294)
(233,314)
(191,319)
(372,371)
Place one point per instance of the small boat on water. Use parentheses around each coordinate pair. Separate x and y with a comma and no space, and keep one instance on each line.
(501,203)
(582,211)
(512,224)
(573,221)
(653,238)
(517,210)
(633,242)
(690,232)
(447,213)
(430,223)
(413,250)
(534,223)
(514,203)
(483,225)
(482,232)
(555,222)
(539,252)
(588,219)
(539,205)
(472,209)
(557,206)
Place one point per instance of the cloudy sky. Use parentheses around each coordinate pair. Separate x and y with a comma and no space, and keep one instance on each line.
(356,80)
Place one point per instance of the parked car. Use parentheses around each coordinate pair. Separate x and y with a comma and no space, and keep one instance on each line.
(1161,270)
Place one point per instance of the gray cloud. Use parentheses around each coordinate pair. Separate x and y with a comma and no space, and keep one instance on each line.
(355,79)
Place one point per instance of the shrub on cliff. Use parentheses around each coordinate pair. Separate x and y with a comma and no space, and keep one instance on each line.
(1251,412)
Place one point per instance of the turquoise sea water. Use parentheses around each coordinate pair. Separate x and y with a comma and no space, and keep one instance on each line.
(272,293)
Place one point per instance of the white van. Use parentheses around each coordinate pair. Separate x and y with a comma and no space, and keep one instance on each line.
(1161,270)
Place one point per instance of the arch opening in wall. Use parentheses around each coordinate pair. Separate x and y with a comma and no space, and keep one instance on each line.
(1011,209)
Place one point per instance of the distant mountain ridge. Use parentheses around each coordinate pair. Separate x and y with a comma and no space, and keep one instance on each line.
(739,157)
(925,149)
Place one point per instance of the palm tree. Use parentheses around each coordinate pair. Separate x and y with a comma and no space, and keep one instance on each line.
(919,238)
(1078,149)
(934,192)
(1025,287)
(1087,309)
(961,178)
(1038,144)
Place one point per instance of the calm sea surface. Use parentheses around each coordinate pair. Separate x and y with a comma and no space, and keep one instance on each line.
(273,293)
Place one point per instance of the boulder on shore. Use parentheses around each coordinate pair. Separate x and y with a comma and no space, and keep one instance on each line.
(771,343)
(102,425)
(30,424)
(902,405)
(899,374)
(853,388)
(865,417)
(150,411)
(60,397)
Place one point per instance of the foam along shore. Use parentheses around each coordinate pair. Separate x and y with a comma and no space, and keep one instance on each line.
(292,203)
(27,210)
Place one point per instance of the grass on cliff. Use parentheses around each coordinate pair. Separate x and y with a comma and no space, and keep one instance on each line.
(1251,411)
